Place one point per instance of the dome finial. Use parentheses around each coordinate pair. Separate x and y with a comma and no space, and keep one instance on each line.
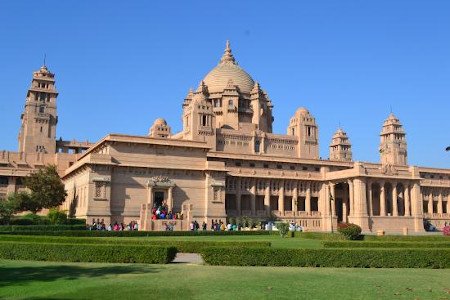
(227,56)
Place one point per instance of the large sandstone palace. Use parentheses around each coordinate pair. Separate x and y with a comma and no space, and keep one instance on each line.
(226,162)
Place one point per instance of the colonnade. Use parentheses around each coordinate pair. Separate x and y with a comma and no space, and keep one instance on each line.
(268,189)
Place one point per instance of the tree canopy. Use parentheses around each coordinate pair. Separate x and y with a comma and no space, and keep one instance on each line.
(46,190)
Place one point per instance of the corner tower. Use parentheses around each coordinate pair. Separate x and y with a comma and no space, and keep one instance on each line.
(393,149)
(39,118)
(340,147)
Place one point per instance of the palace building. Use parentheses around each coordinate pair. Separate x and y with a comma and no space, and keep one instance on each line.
(227,162)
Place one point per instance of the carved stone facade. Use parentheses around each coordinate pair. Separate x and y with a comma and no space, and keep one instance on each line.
(227,162)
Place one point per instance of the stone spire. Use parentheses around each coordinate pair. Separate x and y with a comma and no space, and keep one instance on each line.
(228,57)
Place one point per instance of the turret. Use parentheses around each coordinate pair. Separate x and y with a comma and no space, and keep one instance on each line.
(303,126)
(340,147)
(160,129)
(393,150)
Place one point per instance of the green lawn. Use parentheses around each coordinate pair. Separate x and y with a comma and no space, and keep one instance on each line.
(44,280)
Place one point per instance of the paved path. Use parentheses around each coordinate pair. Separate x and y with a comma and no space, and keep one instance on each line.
(188,258)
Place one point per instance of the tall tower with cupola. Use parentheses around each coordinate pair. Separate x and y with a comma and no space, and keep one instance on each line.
(393,149)
(39,118)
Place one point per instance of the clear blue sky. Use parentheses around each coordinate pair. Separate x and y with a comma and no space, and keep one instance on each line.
(122,64)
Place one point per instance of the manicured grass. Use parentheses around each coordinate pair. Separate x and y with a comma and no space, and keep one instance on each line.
(44,280)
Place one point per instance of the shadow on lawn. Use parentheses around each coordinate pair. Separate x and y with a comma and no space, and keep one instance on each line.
(22,275)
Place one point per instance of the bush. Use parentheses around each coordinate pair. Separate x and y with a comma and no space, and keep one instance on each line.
(30,219)
(73,221)
(75,230)
(350,231)
(182,246)
(348,258)
(446,230)
(57,217)
(283,228)
(358,244)
(87,253)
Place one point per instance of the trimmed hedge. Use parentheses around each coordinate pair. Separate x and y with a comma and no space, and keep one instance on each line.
(182,246)
(338,258)
(335,244)
(103,233)
(87,253)
(407,238)
(40,228)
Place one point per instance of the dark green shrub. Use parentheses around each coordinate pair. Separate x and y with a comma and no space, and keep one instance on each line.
(182,246)
(364,244)
(283,228)
(337,258)
(350,231)
(57,217)
(73,221)
(32,219)
(87,253)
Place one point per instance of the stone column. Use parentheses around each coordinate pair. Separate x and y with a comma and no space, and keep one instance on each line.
(439,208)
(170,198)
(416,207)
(308,198)
(294,199)
(382,199)
(333,203)
(360,202)
(281,198)
(430,203)
(394,200)
(370,198)
(267,198)
(351,197)
(253,197)
(407,204)
(238,196)
(150,195)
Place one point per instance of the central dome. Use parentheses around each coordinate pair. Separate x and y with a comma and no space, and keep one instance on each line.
(218,78)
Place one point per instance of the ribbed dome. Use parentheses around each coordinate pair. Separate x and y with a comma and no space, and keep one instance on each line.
(227,69)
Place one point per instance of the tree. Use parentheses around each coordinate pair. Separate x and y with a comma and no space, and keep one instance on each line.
(46,190)
(8,208)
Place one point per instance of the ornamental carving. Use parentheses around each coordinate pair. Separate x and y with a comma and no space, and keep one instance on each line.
(162,181)
(389,169)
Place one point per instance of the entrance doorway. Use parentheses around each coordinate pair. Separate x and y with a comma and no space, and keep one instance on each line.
(158,199)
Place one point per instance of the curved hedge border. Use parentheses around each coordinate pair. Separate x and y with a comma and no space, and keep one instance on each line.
(386,244)
(102,233)
(87,253)
(338,258)
(182,246)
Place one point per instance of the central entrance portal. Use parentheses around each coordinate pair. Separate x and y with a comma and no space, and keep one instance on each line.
(158,199)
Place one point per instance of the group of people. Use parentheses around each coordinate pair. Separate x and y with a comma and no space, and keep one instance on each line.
(162,212)
(100,225)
